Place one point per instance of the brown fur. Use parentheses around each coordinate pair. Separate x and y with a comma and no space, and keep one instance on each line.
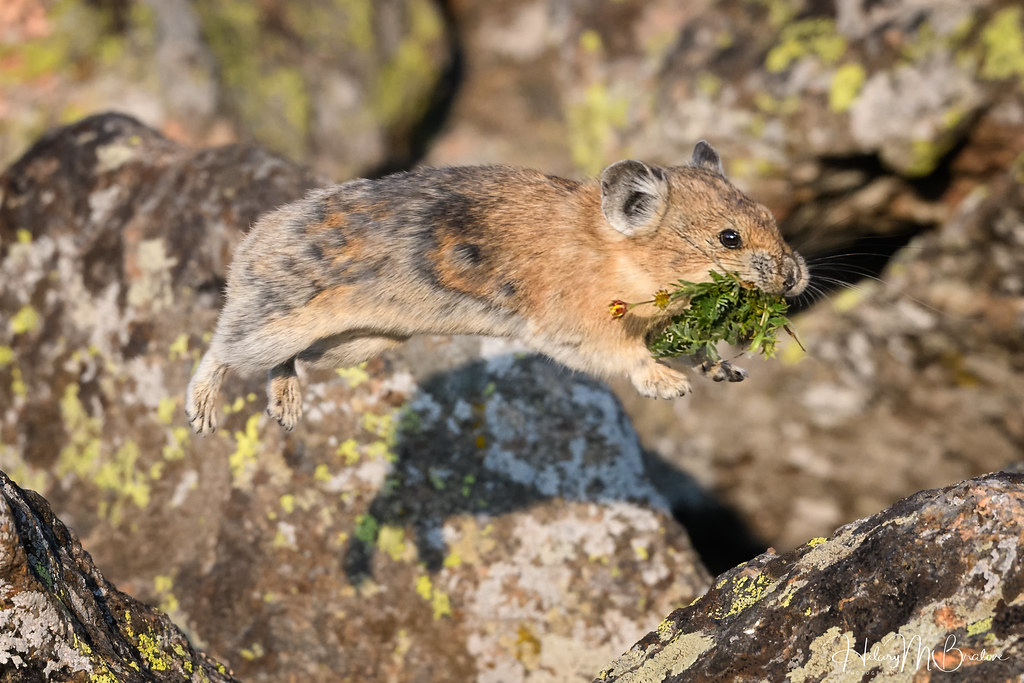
(354,269)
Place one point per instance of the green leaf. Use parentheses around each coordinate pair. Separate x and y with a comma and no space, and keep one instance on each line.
(724,309)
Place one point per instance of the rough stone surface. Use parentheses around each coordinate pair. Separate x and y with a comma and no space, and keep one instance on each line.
(481,513)
(60,620)
(931,588)
(345,84)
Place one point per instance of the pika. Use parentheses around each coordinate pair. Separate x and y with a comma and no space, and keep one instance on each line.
(351,270)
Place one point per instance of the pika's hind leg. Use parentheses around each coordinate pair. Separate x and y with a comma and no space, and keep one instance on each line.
(284,394)
(201,397)
(344,351)
(722,370)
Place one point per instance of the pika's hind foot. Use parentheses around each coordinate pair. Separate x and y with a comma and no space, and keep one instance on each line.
(201,397)
(201,409)
(284,395)
(722,371)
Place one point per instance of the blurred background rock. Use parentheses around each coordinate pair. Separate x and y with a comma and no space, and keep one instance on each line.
(887,137)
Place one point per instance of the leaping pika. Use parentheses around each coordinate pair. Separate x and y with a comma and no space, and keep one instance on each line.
(354,269)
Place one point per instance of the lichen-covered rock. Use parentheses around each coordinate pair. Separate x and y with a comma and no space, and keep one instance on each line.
(345,85)
(454,508)
(929,589)
(60,620)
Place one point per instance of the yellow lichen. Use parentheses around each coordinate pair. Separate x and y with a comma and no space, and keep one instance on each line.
(593,123)
(25,320)
(155,658)
(1003,40)
(166,409)
(380,450)
(179,347)
(590,41)
(403,81)
(80,455)
(666,629)
(709,84)
(288,503)
(791,354)
(746,591)
(175,450)
(348,450)
(355,375)
(254,651)
(849,299)
(122,476)
(391,540)
(846,84)
(978,627)
(383,426)
(812,37)
(163,585)
(424,587)
(6,356)
(186,659)
(527,646)
(925,155)
(235,407)
(247,447)
(441,604)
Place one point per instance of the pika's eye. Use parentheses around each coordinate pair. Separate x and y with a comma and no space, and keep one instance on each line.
(730,239)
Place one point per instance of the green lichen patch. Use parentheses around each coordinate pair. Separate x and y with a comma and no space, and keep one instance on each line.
(247,450)
(846,85)
(593,123)
(746,591)
(400,84)
(1003,40)
(809,38)
(25,320)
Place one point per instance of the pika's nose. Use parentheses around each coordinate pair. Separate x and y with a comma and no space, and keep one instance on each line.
(794,275)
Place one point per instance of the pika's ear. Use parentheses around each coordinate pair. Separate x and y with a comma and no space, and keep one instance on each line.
(634,196)
(705,156)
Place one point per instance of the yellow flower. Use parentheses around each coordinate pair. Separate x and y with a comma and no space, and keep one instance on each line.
(618,308)
(661,299)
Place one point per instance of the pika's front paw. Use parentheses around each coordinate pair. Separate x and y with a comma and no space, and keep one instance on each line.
(656,380)
(284,396)
(722,371)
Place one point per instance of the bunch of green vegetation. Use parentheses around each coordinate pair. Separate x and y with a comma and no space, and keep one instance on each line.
(724,309)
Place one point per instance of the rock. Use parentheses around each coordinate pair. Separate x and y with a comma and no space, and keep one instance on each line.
(455,507)
(350,87)
(60,620)
(929,586)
